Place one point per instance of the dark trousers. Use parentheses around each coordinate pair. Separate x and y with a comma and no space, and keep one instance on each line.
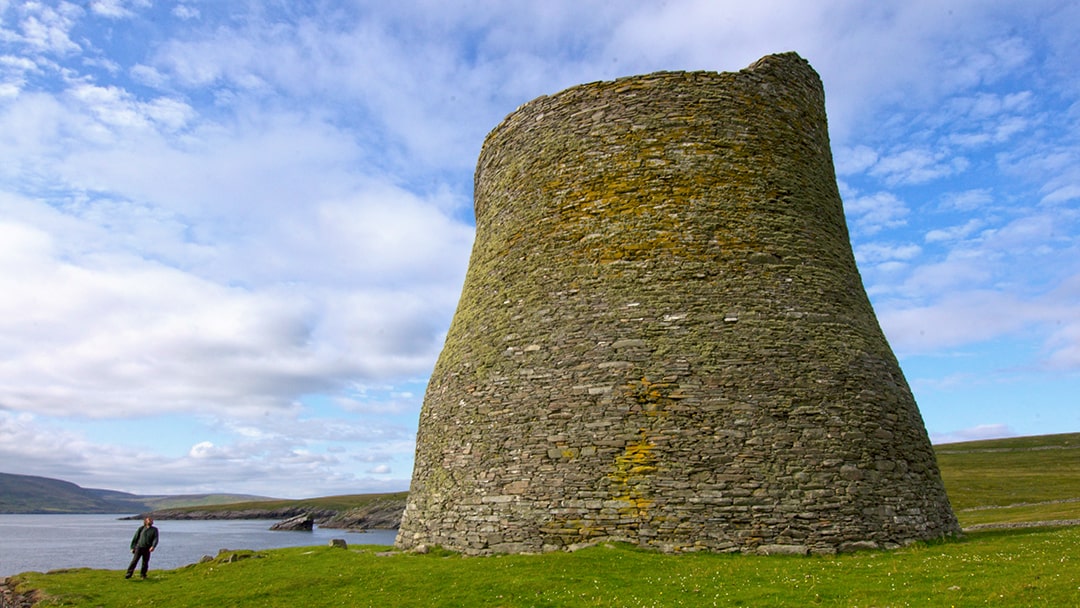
(142,553)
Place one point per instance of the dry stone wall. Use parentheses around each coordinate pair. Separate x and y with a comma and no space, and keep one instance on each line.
(663,337)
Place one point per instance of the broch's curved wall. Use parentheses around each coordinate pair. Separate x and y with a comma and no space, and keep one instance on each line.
(663,337)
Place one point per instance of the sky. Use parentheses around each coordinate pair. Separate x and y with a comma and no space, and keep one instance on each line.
(233,234)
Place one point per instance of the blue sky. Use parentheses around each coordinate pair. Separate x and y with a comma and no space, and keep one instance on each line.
(233,234)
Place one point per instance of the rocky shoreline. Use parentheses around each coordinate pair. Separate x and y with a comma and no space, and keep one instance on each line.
(380,515)
(10,598)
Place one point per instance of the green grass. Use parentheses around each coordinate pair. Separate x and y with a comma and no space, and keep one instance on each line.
(1034,478)
(998,568)
(1042,512)
(337,503)
(199,501)
(999,482)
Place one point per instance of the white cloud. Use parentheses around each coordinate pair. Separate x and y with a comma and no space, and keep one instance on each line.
(699,32)
(991,105)
(302,427)
(1069,192)
(1064,347)
(280,466)
(997,58)
(20,64)
(967,200)
(954,233)
(35,449)
(116,9)
(159,298)
(876,212)
(987,118)
(873,253)
(961,269)
(917,166)
(975,433)
(46,29)
(418,98)
(365,401)
(957,319)
(961,319)
(115,108)
(148,76)
(1032,232)
(108,336)
(185,12)
(851,160)
(205,450)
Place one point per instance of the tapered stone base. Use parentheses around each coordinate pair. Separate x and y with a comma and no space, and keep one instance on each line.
(663,337)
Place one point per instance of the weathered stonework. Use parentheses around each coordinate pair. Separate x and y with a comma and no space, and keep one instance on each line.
(663,337)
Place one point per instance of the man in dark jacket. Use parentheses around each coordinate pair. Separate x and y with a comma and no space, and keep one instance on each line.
(142,545)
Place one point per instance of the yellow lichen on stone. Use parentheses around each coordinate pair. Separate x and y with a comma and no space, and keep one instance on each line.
(639,458)
(631,467)
(651,396)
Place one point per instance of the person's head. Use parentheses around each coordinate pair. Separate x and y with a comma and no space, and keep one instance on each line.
(149,521)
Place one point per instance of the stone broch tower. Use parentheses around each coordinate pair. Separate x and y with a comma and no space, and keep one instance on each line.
(663,337)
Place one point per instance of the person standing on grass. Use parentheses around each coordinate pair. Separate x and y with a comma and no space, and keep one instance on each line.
(142,545)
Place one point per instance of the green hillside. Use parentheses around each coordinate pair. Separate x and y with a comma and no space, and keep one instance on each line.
(343,502)
(196,501)
(31,494)
(1013,481)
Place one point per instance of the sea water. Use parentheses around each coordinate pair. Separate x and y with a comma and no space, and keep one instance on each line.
(50,542)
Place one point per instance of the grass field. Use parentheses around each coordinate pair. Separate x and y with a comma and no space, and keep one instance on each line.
(1005,482)
(1023,479)
(339,503)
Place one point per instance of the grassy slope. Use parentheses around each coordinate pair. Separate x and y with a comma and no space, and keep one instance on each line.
(199,500)
(31,494)
(1023,479)
(1017,567)
(336,503)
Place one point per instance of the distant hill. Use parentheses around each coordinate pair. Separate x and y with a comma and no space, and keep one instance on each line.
(349,511)
(1013,481)
(31,494)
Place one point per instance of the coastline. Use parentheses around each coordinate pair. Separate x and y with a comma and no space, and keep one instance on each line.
(44,543)
(10,598)
(380,516)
